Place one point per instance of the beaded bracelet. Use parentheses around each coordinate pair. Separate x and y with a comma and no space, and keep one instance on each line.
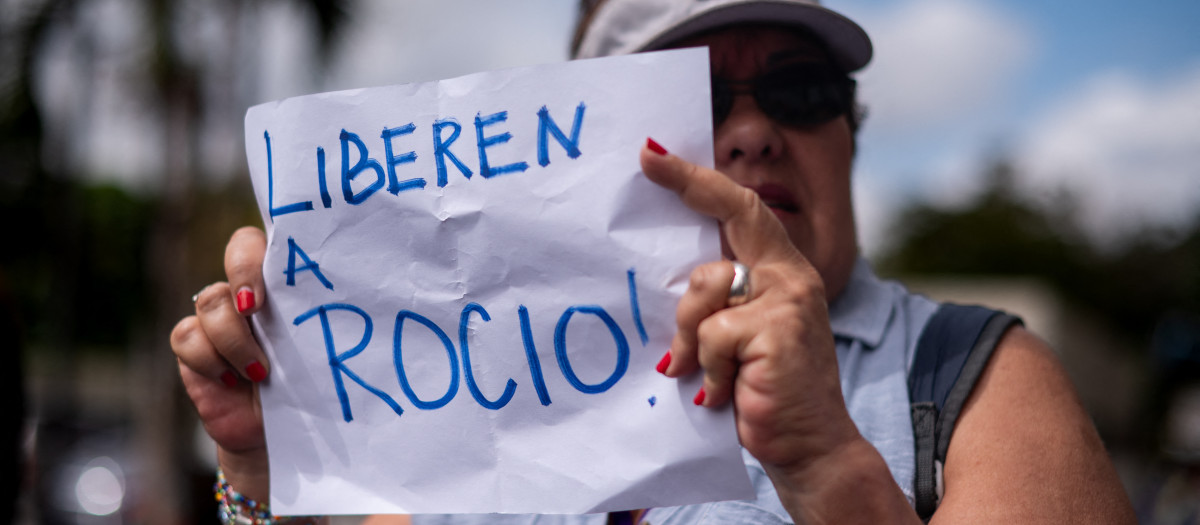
(235,509)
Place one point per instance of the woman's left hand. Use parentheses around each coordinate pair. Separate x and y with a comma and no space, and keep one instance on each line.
(774,355)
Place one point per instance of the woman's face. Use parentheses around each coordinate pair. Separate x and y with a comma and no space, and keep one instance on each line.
(801,173)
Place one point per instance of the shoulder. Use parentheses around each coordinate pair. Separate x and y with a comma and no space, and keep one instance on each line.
(1024,449)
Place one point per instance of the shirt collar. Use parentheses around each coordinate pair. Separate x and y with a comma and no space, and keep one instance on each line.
(864,308)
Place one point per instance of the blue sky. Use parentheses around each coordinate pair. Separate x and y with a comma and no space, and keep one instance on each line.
(1078,94)
(1099,97)
(1095,97)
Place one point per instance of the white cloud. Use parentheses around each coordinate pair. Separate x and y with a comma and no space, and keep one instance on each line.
(421,40)
(92,88)
(1128,148)
(936,60)
(875,207)
(92,99)
(285,41)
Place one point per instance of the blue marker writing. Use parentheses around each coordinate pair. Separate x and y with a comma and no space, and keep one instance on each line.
(398,360)
(560,349)
(337,362)
(547,126)
(326,200)
(509,389)
(535,364)
(350,172)
(294,250)
(635,307)
(483,143)
(441,150)
(281,210)
(396,186)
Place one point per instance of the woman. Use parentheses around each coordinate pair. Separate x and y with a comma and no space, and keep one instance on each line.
(814,355)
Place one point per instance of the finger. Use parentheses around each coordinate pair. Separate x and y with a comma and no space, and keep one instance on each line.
(707,293)
(723,335)
(243,267)
(752,231)
(197,353)
(231,416)
(229,332)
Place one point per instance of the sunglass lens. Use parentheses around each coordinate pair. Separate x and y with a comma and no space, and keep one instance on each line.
(797,95)
(722,101)
(803,95)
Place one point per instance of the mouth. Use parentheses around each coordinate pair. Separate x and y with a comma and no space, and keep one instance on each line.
(778,198)
(783,207)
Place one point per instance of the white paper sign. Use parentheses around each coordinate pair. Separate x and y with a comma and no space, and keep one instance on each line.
(469,283)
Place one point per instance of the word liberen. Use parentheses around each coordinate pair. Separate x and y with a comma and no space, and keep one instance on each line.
(445,132)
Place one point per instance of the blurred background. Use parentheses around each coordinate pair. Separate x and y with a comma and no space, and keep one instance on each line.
(1042,157)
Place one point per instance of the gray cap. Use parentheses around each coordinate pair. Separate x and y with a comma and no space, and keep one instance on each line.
(629,26)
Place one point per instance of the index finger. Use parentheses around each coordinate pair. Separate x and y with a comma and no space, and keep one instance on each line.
(752,231)
(243,268)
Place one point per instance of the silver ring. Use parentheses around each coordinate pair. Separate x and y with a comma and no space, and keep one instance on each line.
(739,290)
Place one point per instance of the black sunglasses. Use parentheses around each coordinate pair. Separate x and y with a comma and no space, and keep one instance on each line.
(803,94)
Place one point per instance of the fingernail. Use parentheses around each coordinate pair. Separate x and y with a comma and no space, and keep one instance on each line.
(229,378)
(245,300)
(664,363)
(699,399)
(655,147)
(256,372)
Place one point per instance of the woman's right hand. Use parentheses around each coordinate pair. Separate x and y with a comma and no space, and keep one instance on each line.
(220,363)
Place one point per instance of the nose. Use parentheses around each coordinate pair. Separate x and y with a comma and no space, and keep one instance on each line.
(747,137)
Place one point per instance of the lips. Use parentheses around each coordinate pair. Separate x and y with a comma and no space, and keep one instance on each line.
(778,198)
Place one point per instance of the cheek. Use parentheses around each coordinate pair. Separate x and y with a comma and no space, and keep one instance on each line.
(837,141)
(825,156)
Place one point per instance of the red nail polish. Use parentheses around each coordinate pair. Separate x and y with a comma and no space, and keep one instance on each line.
(256,372)
(245,300)
(229,378)
(655,147)
(699,399)
(664,363)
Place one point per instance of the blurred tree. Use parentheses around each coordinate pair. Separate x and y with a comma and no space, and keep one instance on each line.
(181,97)
(98,267)
(1145,287)
(1130,284)
(30,197)
(996,233)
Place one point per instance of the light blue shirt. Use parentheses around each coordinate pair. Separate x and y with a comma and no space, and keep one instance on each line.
(876,325)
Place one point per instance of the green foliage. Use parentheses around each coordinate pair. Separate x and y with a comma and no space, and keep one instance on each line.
(78,270)
(996,234)
(1130,286)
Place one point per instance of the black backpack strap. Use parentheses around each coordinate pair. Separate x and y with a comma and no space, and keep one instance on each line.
(952,352)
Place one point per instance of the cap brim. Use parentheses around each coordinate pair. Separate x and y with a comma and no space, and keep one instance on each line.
(849,43)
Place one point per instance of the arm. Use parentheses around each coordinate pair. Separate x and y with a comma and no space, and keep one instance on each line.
(1024,449)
